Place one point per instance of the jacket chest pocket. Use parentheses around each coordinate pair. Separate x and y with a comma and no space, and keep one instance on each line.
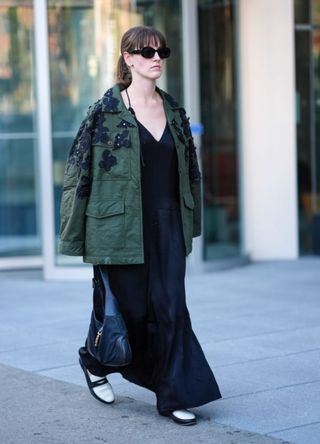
(112,159)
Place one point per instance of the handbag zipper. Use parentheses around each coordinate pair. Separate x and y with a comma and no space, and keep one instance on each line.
(96,342)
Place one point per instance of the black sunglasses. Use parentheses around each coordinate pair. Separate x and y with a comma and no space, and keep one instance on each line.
(147,52)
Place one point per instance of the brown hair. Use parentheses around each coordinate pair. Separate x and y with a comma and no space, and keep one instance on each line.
(136,38)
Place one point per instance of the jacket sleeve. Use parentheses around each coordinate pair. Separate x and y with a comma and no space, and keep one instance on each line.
(195,185)
(76,191)
(194,175)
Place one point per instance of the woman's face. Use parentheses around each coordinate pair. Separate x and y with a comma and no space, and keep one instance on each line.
(146,68)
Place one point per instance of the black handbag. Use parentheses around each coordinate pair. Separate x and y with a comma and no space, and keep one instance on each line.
(107,339)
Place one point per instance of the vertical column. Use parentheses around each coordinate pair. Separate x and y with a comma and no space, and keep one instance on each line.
(267,113)
(42,81)
(192,95)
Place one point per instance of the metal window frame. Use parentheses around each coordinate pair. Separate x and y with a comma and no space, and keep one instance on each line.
(20,262)
(42,71)
(191,85)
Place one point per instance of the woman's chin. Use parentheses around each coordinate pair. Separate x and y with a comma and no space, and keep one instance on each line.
(155,75)
(152,75)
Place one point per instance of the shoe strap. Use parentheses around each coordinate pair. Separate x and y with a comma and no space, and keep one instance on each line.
(98,383)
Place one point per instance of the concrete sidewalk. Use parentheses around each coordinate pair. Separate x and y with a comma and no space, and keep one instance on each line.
(39,410)
(259,326)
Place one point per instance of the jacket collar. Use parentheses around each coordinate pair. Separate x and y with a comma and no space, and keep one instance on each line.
(112,101)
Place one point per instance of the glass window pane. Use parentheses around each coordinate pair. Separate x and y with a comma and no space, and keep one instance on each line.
(316,154)
(84,39)
(301,11)
(316,102)
(19,230)
(302,44)
(316,12)
(219,141)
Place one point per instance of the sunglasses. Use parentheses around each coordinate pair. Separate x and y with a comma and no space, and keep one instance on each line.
(147,52)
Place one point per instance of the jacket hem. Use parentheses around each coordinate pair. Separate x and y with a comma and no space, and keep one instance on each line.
(113,260)
(74,248)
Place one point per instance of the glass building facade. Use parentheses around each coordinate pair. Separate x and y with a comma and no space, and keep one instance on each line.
(59,56)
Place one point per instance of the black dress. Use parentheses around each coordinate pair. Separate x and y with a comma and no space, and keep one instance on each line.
(167,357)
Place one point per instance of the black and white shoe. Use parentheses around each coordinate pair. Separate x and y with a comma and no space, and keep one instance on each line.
(99,386)
(183,417)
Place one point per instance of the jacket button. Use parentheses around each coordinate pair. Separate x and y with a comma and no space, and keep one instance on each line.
(109,142)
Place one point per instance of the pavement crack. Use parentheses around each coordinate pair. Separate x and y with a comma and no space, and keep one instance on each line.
(294,427)
(271,389)
(53,368)
(267,358)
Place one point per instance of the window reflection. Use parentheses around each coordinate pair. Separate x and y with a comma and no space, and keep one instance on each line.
(316,12)
(301,11)
(19,235)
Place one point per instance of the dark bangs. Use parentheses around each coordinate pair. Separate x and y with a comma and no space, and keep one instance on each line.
(147,36)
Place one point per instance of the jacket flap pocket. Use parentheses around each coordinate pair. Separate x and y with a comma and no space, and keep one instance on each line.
(105,209)
(116,140)
(188,201)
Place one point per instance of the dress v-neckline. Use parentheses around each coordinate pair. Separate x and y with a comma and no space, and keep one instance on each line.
(134,115)
(164,130)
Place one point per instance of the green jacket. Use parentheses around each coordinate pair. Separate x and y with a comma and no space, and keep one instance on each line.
(101,215)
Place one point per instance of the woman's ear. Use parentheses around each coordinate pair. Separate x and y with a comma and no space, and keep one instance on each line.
(128,58)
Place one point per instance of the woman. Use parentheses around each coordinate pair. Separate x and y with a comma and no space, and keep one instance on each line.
(131,203)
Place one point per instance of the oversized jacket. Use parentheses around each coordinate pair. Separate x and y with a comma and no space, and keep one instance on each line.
(101,211)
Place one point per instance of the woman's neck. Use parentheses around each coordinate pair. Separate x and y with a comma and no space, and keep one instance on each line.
(143,91)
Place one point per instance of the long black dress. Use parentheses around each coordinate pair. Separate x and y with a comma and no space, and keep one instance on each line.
(167,357)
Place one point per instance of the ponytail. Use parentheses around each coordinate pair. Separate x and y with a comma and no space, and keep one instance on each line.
(123,72)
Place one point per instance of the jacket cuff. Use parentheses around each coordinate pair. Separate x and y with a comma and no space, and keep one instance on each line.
(71,248)
(196,229)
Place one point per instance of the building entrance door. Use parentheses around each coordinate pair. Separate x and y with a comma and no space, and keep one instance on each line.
(217,30)
(307,47)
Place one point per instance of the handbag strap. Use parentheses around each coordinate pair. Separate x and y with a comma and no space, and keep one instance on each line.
(96,280)
(98,293)
(104,301)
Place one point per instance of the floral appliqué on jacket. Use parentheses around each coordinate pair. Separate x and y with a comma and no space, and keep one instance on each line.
(124,124)
(185,136)
(122,140)
(109,102)
(79,160)
(100,132)
(108,160)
